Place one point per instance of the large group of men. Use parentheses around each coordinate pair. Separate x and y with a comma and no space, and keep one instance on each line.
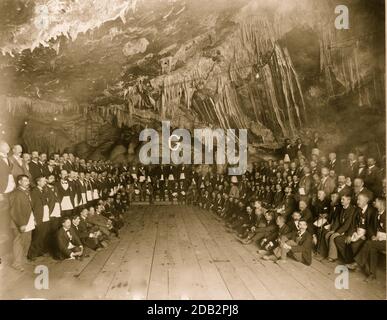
(301,205)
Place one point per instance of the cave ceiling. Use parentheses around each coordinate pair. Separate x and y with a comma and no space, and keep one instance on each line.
(188,59)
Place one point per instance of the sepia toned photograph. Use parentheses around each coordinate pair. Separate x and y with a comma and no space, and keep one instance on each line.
(192,150)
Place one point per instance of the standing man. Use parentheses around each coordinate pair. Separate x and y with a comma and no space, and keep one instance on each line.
(17,161)
(22,222)
(40,208)
(35,167)
(7,185)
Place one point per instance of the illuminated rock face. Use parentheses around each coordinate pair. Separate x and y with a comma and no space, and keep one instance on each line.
(240,64)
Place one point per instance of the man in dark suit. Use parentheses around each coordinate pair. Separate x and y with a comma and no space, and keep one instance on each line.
(40,208)
(361,167)
(341,226)
(299,147)
(359,188)
(352,166)
(305,185)
(368,256)
(333,163)
(342,189)
(34,167)
(373,179)
(22,222)
(349,245)
(69,244)
(299,246)
(84,231)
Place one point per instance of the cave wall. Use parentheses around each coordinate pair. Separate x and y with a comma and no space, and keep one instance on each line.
(241,64)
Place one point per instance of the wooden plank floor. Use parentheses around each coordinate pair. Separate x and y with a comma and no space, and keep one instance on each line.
(182,252)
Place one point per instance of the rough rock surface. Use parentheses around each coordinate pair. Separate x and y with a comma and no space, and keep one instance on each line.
(106,69)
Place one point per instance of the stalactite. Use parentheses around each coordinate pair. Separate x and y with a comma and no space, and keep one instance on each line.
(22,105)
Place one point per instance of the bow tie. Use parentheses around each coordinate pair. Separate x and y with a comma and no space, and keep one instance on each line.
(64,182)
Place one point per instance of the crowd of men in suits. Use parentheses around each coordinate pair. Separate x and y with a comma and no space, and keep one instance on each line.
(303,204)
(59,206)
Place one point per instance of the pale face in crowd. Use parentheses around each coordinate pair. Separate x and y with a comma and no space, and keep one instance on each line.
(325,172)
(362,201)
(380,205)
(303,225)
(358,185)
(26,157)
(341,180)
(335,198)
(66,224)
(4,148)
(17,151)
(302,205)
(371,162)
(51,179)
(332,156)
(24,182)
(76,221)
(296,216)
(43,157)
(35,156)
(63,174)
(84,213)
(345,201)
(351,157)
(321,195)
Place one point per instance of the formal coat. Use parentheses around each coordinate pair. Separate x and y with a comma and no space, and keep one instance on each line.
(363,220)
(20,208)
(5,175)
(17,166)
(328,185)
(305,185)
(35,170)
(39,200)
(64,238)
(373,180)
(303,250)
(83,232)
(344,223)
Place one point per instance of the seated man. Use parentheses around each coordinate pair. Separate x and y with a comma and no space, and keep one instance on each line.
(274,239)
(264,228)
(367,258)
(247,222)
(99,221)
(69,245)
(89,236)
(299,246)
(341,226)
(349,245)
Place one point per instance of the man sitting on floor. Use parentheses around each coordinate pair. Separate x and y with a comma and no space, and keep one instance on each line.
(90,238)
(299,246)
(69,245)
(273,240)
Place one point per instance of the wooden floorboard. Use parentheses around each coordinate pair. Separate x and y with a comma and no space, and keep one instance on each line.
(183,252)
